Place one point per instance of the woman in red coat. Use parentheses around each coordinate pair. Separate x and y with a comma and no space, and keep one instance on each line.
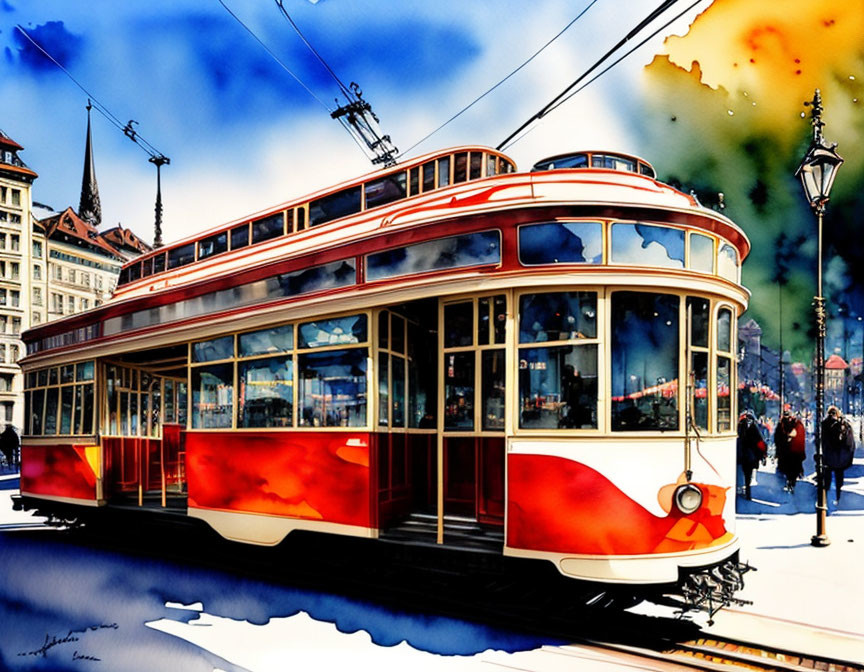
(789,444)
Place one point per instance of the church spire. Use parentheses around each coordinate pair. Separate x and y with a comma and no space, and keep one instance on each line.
(89,209)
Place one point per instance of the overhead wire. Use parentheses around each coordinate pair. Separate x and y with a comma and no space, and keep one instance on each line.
(102,109)
(658,11)
(499,83)
(274,56)
(605,70)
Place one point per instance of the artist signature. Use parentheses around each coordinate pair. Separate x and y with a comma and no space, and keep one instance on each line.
(72,636)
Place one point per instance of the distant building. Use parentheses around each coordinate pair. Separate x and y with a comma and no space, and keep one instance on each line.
(18,246)
(125,242)
(835,381)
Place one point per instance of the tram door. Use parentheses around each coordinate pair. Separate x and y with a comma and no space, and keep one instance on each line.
(473,411)
(141,435)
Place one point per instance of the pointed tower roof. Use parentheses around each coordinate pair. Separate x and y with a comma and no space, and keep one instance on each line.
(89,209)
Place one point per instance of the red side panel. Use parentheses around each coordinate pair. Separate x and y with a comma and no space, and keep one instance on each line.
(57,471)
(562,506)
(315,475)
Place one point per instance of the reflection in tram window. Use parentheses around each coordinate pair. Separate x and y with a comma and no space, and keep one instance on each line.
(612,163)
(724,394)
(37,411)
(459,391)
(458,324)
(268,228)
(558,387)
(213,350)
(644,361)
(385,190)
(561,243)
(476,165)
(701,253)
(471,249)
(460,167)
(334,206)
(84,371)
(66,394)
(213,245)
(724,330)
(557,316)
(699,309)
(647,245)
(727,262)
(266,342)
(443,172)
(428,176)
(333,388)
(180,256)
(239,237)
(700,389)
(212,396)
(335,331)
(266,394)
(493,392)
(51,395)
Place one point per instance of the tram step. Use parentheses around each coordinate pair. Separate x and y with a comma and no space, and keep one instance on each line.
(459,532)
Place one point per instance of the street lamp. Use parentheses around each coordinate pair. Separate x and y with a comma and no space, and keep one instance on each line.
(817,172)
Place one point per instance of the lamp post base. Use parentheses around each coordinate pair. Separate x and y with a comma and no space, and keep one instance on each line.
(820,540)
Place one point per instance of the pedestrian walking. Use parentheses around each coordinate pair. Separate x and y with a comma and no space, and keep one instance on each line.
(789,442)
(10,444)
(838,449)
(751,448)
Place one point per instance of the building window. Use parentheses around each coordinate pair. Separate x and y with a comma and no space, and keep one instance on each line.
(16,325)
(14,350)
(37,250)
(85,304)
(37,318)
(99,282)
(85,279)
(2,297)
(70,304)
(2,241)
(37,272)
(16,196)
(5,382)
(3,321)
(16,242)
(72,276)
(16,298)
(57,303)
(16,270)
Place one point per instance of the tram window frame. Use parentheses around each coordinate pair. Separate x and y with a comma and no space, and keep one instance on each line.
(336,205)
(712,256)
(700,350)
(724,360)
(393,407)
(393,187)
(267,228)
(727,262)
(213,245)
(486,415)
(524,230)
(180,256)
(575,345)
(40,384)
(642,258)
(237,238)
(159,263)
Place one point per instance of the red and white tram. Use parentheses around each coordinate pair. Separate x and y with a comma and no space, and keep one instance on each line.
(448,351)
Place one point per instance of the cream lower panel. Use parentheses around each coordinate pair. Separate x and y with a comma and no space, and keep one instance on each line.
(264,530)
(623,569)
(640,466)
(63,500)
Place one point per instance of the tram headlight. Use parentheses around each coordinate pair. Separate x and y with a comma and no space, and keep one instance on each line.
(688,498)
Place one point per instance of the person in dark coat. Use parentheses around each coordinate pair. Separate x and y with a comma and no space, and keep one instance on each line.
(838,449)
(750,447)
(789,443)
(10,444)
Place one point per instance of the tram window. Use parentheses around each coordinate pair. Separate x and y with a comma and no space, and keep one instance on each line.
(213,350)
(289,221)
(212,245)
(301,218)
(505,166)
(483,320)
(644,361)
(123,278)
(724,394)
(423,383)
(180,256)
(429,176)
(493,391)
(51,395)
(645,169)
(459,391)
(268,228)
(67,373)
(727,262)
(42,376)
(182,400)
(383,388)
(646,244)
(266,396)
(212,396)
(443,172)
(239,236)
(490,165)
(414,181)
(383,329)
(398,401)
(562,162)
(134,272)
(84,371)
(37,411)
(334,331)
(701,253)
(458,325)
(385,190)
(460,167)
(558,387)
(612,163)
(66,410)
(724,330)
(397,334)
(561,243)
(557,316)
(52,376)
(699,366)
(266,342)
(700,311)
(471,249)
(499,314)
(476,165)
(146,268)
(159,263)
(334,206)
(333,388)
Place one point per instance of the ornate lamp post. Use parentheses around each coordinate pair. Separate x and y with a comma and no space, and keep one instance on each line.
(816,172)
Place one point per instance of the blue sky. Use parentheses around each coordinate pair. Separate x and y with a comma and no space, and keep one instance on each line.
(243,135)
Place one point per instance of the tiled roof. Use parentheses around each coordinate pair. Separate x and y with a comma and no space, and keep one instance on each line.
(836,362)
(69,224)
